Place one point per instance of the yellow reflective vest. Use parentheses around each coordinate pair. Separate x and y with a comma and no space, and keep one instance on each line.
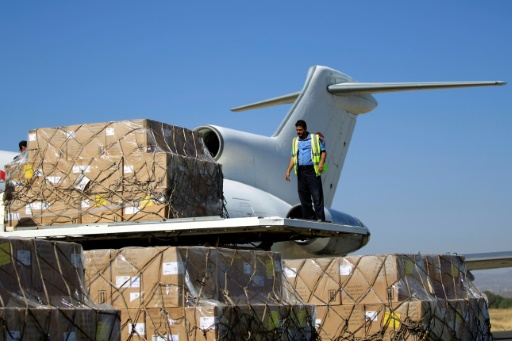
(316,153)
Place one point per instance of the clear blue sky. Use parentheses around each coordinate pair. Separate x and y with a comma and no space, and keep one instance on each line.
(427,171)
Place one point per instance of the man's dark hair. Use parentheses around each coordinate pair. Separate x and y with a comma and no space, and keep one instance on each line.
(302,124)
(22,143)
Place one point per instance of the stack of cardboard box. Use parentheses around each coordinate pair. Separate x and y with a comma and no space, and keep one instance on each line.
(43,295)
(403,297)
(116,171)
(198,293)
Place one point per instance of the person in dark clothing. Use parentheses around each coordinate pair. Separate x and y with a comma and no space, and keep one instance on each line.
(308,161)
(22,145)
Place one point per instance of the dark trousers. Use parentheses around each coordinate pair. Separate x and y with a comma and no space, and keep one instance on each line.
(310,191)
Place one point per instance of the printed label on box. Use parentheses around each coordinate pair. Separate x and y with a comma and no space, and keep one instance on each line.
(81,169)
(128,169)
(134,296)
(259,280)
(345,270)
(53,179)
(24,257)
(137,328)
(370,316)
(172,268)
(122,281)
(76,260)
(135,282)
(13,216)
(12,335)
(207,322)
(69,336)
(131,210)
(247,268)
(290,272)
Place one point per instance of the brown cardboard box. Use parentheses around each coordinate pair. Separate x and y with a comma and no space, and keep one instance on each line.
(32,140)
(69,142)
(96,175)
(209,322)
(60,208)
(148,170)
(167,287)
(98,274)
(23,174)
(138,277)
(368,321)
(129,267)
(148,277)
(316,280)
(166,324)
(334,321)
(139,206)
(115,139)
(55,174)
(383,278)
(437,319)
(101,207)
(133,324)
(19,214)
(140,136)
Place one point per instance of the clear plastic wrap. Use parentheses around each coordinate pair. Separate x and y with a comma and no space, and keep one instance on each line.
(108,172)
(198,293)
(398,297)
(43,294)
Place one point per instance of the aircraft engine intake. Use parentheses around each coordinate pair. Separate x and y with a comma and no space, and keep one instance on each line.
(212,139)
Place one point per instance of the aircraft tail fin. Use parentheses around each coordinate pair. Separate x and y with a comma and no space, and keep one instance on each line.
(330,102)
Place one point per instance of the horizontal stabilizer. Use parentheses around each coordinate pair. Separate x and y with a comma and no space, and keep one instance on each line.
(349,89)
(286,99)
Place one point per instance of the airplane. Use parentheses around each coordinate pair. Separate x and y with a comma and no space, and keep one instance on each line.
(254,166)
(5,158)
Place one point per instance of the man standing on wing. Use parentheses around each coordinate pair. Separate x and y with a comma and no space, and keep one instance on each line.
(308,158)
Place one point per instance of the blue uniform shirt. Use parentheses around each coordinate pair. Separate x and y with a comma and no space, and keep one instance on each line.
(304,152)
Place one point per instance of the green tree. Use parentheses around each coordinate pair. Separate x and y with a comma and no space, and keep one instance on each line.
(497,301)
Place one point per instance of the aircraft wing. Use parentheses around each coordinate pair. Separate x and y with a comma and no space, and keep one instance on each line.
(489,260)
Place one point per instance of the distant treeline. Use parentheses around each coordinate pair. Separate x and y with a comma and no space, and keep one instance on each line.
(497,301)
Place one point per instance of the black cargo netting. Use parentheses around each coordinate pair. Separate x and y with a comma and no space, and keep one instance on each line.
(199,292)
(108,172)
(43,294)
(391,297)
